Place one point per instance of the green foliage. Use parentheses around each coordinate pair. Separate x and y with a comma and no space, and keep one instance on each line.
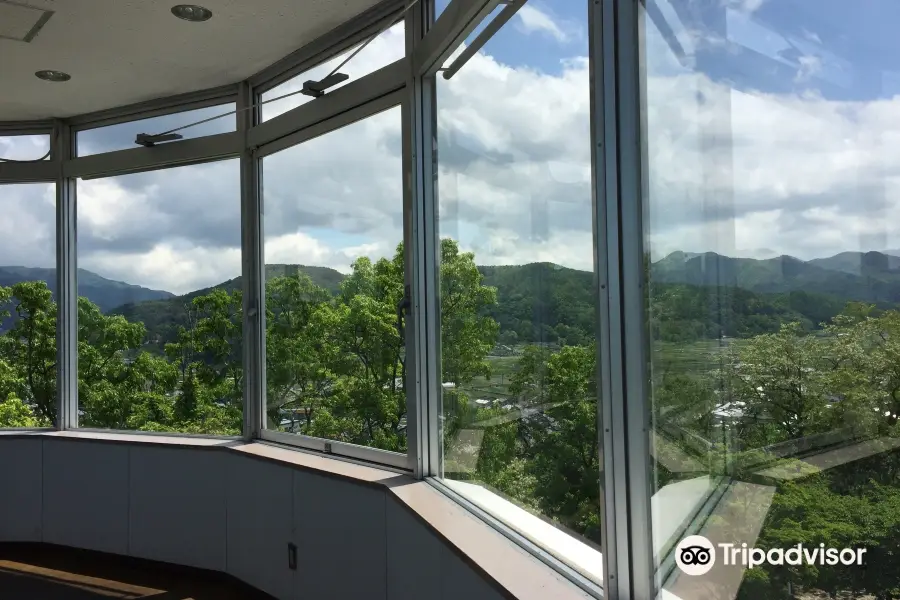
(840,389)
(15,413)
(29,347)
(468,333)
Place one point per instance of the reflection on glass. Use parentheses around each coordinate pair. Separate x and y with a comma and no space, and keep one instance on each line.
(388,47)
(28,305)
(122,136)
(159,306)
(25,147)
(335,359)
(518,355)
(773,295)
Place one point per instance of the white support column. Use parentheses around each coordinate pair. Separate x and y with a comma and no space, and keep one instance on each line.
(620,191)
(253,271)
(63,148)
(423,254)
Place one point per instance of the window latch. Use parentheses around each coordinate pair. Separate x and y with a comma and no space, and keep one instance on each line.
(403,308)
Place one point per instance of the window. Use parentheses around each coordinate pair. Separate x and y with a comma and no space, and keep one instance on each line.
(771,264)
(519,358)
(388,47)
(28,305)
(159,307)
(24,147)
(335,359)
(122,136)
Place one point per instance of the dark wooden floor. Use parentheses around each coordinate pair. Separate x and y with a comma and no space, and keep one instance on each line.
(46,572)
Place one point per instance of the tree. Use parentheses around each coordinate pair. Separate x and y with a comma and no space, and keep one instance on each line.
(563,457)
(15,413)
(467,333)
(299,348)
(548,456)
(213,345)
(29,347)
(777,378)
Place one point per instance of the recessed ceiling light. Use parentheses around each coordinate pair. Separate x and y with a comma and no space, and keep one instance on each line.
(53,75)
(192,12)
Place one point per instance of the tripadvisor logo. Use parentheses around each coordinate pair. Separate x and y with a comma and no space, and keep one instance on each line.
(696,555)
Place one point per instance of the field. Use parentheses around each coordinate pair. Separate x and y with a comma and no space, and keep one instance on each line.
(502,370)
(692,358)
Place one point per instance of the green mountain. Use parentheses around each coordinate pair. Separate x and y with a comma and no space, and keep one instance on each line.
(547,303)
(875,264)
(105,293)
(869,277)
(542,302)
(691,295)
(163,317)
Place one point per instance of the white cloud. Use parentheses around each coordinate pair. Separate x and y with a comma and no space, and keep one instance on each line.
(28,225)
(303,249)
(534,20)
(104,205)
(176,267)
(24,147)
(742,172)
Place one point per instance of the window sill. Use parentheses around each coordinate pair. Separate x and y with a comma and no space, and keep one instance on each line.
(728,522)
(673,508)
(585,559)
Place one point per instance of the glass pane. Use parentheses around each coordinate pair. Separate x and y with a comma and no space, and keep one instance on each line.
(159,307)
(388,47)
(123,135)
(518,353)
(335,360)
(770,236)
(28,305)
(25,147)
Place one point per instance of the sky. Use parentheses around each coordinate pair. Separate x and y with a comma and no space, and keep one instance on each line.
(772,127)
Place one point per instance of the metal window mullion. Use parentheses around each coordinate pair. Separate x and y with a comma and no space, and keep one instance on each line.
(629,341)
(414,429)
(382,82)
(11,128)
(610,417)
(66,283)
(171,154)
(31,172)
(457,20)
(423,256)
(359,113)
(252,272)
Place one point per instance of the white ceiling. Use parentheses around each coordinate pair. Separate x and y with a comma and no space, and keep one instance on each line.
(123,51)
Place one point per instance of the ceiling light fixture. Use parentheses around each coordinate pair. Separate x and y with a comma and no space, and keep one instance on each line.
(192,12)
(52,75)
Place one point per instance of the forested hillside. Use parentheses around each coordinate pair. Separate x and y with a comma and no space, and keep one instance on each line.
(163,317)
(865,277)
(550,304)
(693,296)
(105,293)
